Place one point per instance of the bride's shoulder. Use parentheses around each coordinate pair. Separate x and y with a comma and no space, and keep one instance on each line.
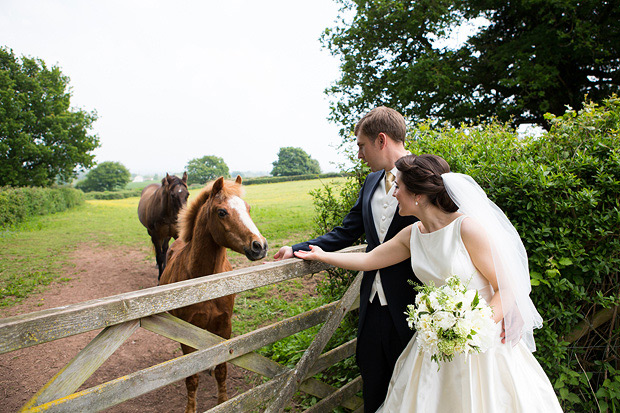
(472,231)
(406,232)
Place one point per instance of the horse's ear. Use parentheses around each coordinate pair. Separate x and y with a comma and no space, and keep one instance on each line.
(185,177)
(164,181)
(238,180)
(217,186)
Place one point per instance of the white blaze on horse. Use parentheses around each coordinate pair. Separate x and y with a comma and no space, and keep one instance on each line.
(216,220)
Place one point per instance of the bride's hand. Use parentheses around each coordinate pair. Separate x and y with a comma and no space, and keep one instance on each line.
(503,333)
(314,254)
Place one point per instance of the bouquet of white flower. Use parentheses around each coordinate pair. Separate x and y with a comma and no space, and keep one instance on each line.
(451,319)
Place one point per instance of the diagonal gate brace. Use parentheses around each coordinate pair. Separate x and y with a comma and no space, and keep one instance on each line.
(316,347)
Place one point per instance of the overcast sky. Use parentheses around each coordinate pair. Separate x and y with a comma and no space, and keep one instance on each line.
(176,80)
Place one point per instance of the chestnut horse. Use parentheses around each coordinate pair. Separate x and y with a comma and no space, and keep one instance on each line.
(158,209)
(217,219)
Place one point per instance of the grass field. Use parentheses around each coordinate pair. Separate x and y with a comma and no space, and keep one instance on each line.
(33,254)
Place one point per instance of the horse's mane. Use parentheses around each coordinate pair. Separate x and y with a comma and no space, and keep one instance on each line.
(189,213)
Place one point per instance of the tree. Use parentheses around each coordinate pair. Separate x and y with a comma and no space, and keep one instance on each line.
(107,176)
(42,140)
(532,57)
(207,168)
(294,161)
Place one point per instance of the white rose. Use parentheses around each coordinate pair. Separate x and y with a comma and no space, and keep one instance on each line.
(428,341)
(419,299)
(444,320)
(424,322)
(463,326)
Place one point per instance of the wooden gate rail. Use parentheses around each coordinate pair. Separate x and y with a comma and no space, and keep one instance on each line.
(43,326)
(121,315)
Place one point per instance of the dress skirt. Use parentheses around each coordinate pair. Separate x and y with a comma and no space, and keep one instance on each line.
(503,379)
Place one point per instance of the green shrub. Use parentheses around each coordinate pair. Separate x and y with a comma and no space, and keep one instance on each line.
(274,179)
(17,204)
(561,191)
(130,193)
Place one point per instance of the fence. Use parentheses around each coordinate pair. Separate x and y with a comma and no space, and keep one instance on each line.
(119,316)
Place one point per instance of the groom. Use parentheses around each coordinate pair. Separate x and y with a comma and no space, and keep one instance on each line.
(384,295)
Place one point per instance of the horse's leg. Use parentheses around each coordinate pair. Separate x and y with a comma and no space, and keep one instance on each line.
(191,383)
(158,256)
(164,253)
(220,377)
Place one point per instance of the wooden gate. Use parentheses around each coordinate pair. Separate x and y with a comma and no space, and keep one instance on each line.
(119,316)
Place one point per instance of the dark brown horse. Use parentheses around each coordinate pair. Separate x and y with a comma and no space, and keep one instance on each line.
(217,219)
(158,210)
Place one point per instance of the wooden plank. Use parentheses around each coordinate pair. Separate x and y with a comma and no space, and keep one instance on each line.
(40,327)
(253,398)
(179,330)
(326,360)
(315,348)
(586,325)
(332,357)
(336,398)
(262,394)
(257,396)
(144,381)
(170,326)
(186,333)
(84,364)
(323,390)
(138,383)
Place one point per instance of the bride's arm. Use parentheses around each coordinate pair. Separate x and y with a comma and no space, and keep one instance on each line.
(479,249)
(389,253)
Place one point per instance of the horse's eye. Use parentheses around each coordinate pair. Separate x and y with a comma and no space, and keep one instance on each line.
(222,212)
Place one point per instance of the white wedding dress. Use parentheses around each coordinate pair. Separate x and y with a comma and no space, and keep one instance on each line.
(503,379)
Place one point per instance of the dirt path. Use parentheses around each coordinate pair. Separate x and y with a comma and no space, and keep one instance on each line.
(101,273)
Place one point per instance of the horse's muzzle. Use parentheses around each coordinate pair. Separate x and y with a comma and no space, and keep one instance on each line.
(256,250)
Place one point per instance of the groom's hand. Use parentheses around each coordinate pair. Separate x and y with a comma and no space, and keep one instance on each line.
(284,253)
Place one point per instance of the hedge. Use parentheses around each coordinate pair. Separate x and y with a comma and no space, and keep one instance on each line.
(562,192)
(275,179)
(18,204)
(129,193)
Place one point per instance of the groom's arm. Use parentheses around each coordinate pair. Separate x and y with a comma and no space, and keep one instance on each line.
(342,236)
(351,230)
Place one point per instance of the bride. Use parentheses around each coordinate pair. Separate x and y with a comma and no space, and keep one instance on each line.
(460,232)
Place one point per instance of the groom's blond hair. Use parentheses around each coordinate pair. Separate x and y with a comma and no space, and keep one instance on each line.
(382,119)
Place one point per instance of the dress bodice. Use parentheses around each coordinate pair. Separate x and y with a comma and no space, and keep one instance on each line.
(438,255)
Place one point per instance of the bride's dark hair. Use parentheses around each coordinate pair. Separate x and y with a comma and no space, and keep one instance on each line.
(422,175)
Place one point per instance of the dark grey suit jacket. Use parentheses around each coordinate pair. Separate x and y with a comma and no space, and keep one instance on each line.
(398,292)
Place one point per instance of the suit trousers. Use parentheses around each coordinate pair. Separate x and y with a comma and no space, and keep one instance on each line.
(378,348)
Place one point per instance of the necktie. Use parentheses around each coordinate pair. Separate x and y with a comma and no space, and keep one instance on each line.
(389,180)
